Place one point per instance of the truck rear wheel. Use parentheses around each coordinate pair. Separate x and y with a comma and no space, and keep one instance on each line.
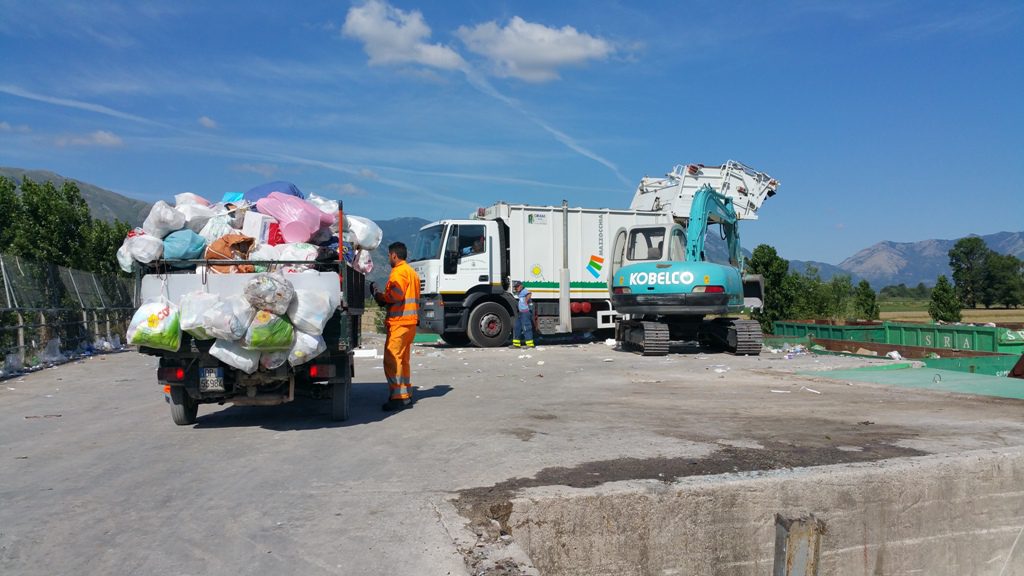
(489,325)
(183,408)
(339,399)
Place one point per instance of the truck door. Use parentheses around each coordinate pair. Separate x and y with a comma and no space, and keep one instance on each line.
(466,257)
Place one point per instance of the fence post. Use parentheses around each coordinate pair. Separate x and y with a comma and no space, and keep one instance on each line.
(43,333)
(21,338)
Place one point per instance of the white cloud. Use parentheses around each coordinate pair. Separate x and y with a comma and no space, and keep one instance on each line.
(346,189)
(77,104)
(265,170)
(21,128)
(532,52)
(368,174)
(207,122)
(393,36)
(97,138)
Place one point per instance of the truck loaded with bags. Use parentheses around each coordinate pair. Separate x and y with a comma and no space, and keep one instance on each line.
(253,320)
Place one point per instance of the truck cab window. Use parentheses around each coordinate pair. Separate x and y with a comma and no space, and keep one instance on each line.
(427,244)
(646,244)
(472,240)
(677,245)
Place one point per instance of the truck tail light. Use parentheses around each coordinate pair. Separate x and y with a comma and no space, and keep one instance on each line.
(171,374)
(321,371)
(709,289)
(622,290)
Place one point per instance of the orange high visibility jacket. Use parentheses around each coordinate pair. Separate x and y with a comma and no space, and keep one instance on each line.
(401,295)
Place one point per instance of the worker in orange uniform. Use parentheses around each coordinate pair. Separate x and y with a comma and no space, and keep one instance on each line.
(400,296)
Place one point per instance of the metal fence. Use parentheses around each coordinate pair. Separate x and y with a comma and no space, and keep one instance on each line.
(49,312)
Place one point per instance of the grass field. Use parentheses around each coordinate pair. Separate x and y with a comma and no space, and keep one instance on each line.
(917,311)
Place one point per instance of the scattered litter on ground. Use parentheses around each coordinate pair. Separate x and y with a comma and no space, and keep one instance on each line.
(540,363)
(608,360)
(865,352)
(718,368)
(811,390)
(781,391)
(894,355)
(521,356)
(609,342)
(43,416)
(367,353)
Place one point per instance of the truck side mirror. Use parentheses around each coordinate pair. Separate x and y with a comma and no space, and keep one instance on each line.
(451,262)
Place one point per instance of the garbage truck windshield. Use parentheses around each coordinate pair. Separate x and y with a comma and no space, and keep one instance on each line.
(427,244)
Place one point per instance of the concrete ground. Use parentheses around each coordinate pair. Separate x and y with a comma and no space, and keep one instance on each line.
(96,479)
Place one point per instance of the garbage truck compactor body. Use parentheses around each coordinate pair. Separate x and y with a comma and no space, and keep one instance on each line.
(661,277)
(191,375)
(559,253)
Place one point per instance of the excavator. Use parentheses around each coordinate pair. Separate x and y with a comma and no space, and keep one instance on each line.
(661,279)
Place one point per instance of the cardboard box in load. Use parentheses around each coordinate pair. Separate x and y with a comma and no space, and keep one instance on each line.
(257,226)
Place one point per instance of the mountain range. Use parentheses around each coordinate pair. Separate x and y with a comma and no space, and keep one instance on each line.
(883,264)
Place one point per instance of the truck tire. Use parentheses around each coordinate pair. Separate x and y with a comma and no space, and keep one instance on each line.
(455,338)
(183,408)
(489,325)
(339,399)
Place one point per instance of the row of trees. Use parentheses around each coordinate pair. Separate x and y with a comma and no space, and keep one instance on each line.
(790,295)
(53,225)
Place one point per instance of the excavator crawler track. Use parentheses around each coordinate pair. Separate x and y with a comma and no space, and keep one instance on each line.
(646,338)
(745,338)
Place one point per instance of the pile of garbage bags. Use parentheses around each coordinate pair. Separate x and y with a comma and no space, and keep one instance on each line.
(274,221)
(268,324)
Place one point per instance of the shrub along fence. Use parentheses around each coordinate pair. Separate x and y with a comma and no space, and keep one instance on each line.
(49,313)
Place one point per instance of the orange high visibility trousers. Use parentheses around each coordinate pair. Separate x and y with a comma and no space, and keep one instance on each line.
(397,353)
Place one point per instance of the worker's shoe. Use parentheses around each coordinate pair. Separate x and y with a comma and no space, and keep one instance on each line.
(396,405)
(529,343)
(517,344)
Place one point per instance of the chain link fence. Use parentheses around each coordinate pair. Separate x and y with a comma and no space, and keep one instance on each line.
(49,313)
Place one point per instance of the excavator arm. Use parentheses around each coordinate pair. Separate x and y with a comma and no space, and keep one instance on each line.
(710,207)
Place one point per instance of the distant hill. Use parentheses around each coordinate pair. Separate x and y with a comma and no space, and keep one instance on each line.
(395,230)
(103,204)
(825,271)
(890,263)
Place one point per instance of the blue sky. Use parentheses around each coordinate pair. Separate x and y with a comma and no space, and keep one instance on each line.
(890,120)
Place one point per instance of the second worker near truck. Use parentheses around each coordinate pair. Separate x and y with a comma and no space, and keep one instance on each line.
(400,297)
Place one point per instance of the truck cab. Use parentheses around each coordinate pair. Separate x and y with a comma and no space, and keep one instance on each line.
(463,270)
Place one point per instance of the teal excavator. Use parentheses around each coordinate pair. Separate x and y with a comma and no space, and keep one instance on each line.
(661,278)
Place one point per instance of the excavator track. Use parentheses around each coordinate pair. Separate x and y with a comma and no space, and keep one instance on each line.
(745,337)
(644,337)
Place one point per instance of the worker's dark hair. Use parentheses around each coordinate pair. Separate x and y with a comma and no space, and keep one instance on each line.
(398,249)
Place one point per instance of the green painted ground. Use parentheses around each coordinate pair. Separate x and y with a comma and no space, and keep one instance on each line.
(946,380)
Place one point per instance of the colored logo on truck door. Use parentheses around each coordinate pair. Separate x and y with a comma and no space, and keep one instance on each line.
(596,262)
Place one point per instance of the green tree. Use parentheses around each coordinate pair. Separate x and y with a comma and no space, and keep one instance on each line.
(864,301)
(967,260)
(10,209)
(811,296)
(52,224)
(764,260)
(944,305)
(840,292)
(1003,283)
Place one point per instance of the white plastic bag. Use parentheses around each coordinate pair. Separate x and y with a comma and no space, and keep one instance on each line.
(362,232)
(229,318)
(297,251)
(265,252)
(326,206)
(156,325)
(186,198)
(305,348)
(143,247)
(232,354)
(363,261)
(270,292)
(196,216)
(310,310)
(272,360)
(216,227)
(163,220)
(194,306)
(125,258)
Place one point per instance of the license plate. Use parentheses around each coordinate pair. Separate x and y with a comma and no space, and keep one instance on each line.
(430,313)
(211,380)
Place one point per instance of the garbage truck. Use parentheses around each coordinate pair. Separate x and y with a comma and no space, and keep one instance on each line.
(193,371)
(559,253)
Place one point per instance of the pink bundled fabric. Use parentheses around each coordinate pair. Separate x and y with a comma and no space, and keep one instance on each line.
(298,219)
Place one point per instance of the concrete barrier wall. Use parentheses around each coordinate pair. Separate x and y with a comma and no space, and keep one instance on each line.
(936,515)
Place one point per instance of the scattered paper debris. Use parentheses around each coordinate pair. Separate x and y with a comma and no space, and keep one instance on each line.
(368,353)
(43,416)
(540,363)
(610,342)
(608,360)
(811,390)
(894,355)
(781,391)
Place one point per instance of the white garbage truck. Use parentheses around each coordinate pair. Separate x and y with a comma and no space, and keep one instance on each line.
(559,253)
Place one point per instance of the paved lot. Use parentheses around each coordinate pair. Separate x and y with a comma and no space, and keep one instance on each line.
(95,479)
